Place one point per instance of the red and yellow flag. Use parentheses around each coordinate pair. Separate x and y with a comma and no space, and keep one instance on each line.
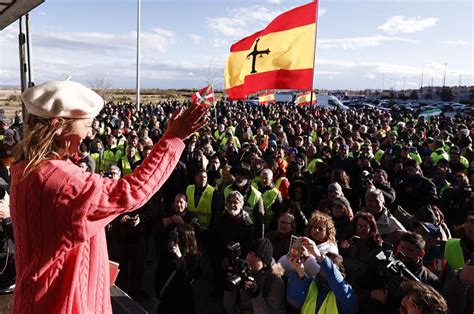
(278,57)
(305,99)
(266,98)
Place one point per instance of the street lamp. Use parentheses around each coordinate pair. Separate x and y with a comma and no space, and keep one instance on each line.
(444,77)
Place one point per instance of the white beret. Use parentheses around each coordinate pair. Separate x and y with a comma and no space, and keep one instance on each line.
(62,99)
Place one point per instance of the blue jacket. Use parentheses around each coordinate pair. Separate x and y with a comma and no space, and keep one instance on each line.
(345,296)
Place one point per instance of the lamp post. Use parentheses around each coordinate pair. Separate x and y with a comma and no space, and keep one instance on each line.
(444,76)
(139,7)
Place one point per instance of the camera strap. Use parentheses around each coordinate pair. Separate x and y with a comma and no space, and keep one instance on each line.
(167,283)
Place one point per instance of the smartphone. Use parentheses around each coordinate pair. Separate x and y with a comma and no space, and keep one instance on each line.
(295,247)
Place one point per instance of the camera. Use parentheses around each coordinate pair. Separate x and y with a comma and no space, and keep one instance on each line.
(394,273)
(366,179)
(173,238)
(109,175)
(240,267)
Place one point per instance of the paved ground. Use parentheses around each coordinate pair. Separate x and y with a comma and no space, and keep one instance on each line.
(6,303)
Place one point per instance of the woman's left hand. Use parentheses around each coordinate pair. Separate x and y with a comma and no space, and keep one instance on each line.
(175,249)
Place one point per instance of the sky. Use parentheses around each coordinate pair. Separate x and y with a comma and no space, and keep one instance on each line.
(185,43)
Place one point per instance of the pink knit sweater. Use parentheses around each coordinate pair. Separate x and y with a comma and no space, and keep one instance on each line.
(59,215)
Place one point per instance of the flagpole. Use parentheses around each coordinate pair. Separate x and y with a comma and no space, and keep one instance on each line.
(314,52)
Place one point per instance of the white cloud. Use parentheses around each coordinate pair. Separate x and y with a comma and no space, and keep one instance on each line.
(243,21)
(457,42)
(319,72)
(156,39)
(359,42)
(195,38)
(431,68)
(273,1)
(403,24)
(219,43)
(370,76)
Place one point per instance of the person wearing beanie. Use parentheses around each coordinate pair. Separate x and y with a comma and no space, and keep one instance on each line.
(342,215)
(264,290)
(59,212)
(334,191)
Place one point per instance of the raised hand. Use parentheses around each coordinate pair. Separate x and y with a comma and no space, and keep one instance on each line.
(184,123)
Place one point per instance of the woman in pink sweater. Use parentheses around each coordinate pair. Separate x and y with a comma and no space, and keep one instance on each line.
(59,212)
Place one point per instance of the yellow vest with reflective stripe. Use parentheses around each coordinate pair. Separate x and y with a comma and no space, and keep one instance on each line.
(453,254)
(252,199)
(329,305)
(203,208)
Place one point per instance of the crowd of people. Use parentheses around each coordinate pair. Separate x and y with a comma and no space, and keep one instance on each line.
(287,209)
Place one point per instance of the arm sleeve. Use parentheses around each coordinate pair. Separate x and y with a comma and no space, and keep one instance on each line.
(345,296)
(95,201)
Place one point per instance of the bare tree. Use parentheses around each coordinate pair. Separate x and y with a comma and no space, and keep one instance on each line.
(102,86)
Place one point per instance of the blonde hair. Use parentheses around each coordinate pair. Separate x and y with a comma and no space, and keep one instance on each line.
(40,142)
(326,220)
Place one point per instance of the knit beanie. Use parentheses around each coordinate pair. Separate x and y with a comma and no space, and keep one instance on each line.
(335,187)
(264,250)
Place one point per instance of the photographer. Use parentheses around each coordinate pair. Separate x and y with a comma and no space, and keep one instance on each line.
(415,190)
(359,254)
(412,250)
(381,182)
(177,270)
(328,292)
(263,290)
(457,200)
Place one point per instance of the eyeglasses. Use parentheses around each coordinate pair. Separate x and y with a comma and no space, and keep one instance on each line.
(284,222)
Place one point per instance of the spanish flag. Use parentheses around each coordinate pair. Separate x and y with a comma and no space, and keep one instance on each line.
(281,56)
(266,98)
(305,99)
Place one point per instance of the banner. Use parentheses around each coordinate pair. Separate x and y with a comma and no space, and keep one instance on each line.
(266,98)
(281,56)
(305,99)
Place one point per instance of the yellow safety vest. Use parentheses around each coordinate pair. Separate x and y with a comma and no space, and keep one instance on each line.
(203,208)
(126,166)
(329,305)
(252,199)
(453,254)
(109,158)
(269,197)
(378,155)
(439,154)
(225,140)
(313,163)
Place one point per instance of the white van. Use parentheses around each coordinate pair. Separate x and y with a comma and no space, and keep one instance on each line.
(330,102)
